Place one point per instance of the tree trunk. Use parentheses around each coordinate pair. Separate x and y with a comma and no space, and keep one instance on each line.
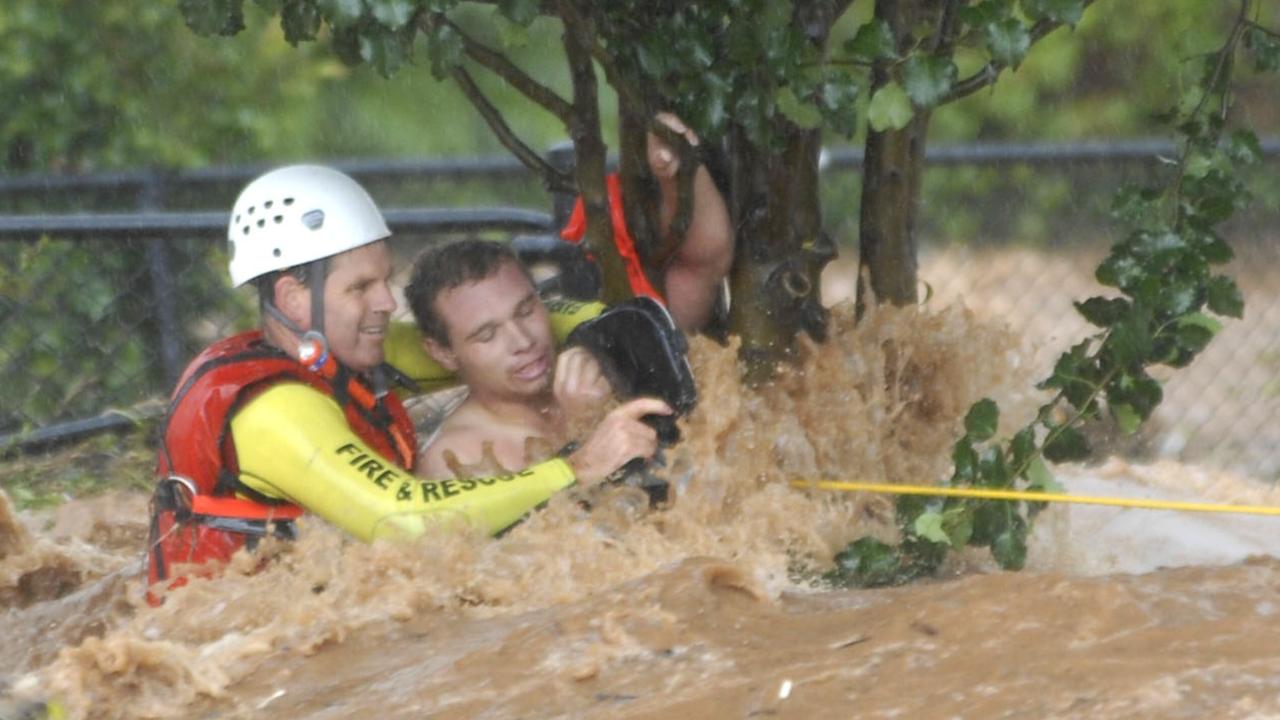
(781,248)
(891,174)
(777,213)
(890,205)
(589,150)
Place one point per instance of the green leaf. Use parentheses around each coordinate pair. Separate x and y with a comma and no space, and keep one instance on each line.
(867,562)
(873,41)
(1214,249)
(1200,320)
(1266,49)
(520,12)
(346,45)
(1063,11)
(890,108)
(1119,270)
(928,78)
(1224,297)
(1010,548)
(386,50)
(342,12)
(803,114)
(982,419)
(392,13)
(839,102)
(990,520)
(929,526)
(213,17)
(1103,312)
(1135,204)
(1008,40)
(1193,336)
(992,469)
(966,462)
(957,523)
(444,46)
(985,13)
(1066,445)
(1126,417)
(300,20)
(1073,373)
(1198,165)
(1040,478)
(1137,389)
(1129,341)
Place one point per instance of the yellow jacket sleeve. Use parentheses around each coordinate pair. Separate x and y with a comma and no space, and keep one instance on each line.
(293,443)
(403,344)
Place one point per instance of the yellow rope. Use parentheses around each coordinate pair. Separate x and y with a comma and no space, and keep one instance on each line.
(988,494)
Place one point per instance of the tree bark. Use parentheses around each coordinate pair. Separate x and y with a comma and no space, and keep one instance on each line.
(892,170)
(590,150)
(782,248)
(891,175)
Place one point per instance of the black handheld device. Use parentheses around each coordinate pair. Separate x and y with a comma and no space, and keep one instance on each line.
(643,353)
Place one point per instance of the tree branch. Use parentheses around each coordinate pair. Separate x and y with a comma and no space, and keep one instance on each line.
(988,73)
(553,179)
(948,23)
(502,66)
(589,149)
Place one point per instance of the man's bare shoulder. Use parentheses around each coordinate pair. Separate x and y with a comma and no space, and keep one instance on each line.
(462,435)
(474,441)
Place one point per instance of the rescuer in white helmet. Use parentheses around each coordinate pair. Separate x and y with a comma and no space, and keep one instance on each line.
(295,415)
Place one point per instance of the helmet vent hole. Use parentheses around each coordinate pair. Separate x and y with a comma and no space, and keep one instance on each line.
(278,219)
(267,205)
(276,252)
(237,219)
(251,209)
(262,222)
(246,230)
(288,201)
(314,220)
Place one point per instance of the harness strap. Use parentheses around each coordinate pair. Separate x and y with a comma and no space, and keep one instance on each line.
(233,507)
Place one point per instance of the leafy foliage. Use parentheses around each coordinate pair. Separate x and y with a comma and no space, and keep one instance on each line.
(122,84)
(1164,271)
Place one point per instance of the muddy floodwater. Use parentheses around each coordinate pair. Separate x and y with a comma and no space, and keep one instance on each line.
(706,609)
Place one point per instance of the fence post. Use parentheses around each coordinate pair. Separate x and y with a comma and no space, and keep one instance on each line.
(163,298)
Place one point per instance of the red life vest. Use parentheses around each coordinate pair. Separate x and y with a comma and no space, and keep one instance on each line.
(201,510)
(576,229)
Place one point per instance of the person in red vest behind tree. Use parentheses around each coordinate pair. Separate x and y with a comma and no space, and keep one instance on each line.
(694,275)
(297,415)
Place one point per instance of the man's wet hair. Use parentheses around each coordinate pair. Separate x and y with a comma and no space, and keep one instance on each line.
(266,284)
(448,266)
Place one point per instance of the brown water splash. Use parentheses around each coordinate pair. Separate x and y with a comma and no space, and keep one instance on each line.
(701,608)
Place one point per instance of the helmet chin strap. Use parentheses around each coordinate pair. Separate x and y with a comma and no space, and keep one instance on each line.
(317,271)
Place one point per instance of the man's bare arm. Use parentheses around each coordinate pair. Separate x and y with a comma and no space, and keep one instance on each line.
(697,270)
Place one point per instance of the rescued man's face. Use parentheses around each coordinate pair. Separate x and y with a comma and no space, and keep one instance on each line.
(358,304)
(499,333)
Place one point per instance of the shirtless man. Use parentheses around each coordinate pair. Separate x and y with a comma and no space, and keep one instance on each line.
(481,317)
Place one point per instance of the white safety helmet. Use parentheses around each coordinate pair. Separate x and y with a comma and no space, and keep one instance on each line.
(296,214)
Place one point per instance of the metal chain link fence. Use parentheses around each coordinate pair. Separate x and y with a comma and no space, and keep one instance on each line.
(99,312)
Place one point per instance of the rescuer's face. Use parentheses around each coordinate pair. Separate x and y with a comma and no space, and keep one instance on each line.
(358,304)
(500,340)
